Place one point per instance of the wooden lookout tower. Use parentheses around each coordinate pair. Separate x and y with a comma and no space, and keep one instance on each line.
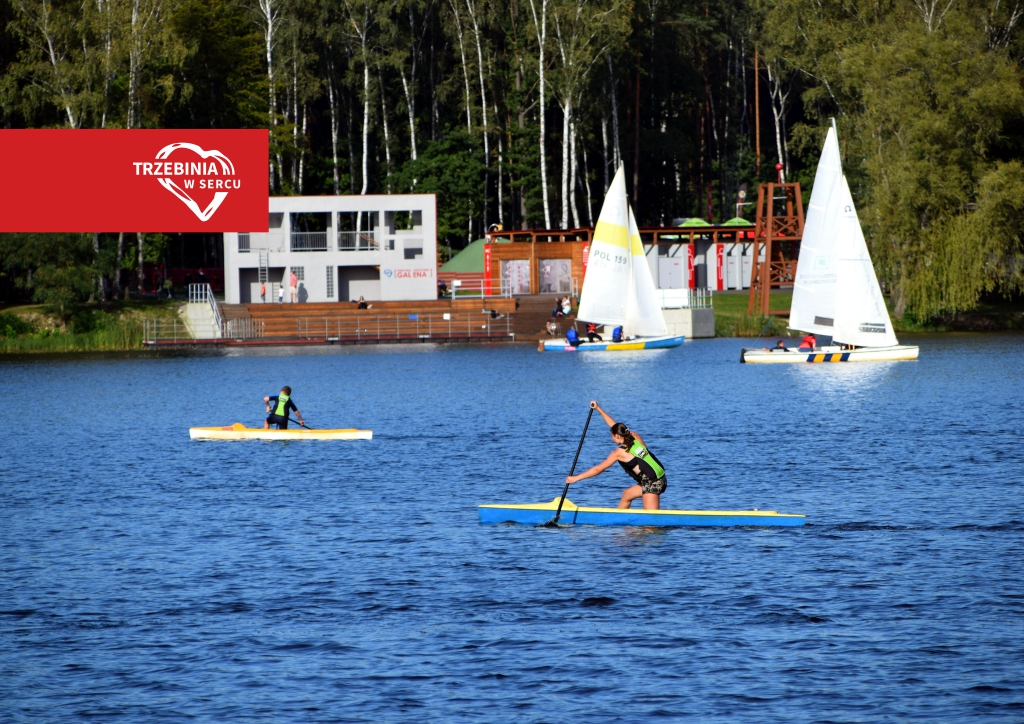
(778,229)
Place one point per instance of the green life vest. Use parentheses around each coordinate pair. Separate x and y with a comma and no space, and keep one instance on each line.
(282,405)
(646,461)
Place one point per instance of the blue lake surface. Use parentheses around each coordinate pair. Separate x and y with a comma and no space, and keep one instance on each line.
(146,577)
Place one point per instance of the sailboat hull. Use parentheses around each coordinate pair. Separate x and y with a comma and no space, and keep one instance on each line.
(634,344)
(896,353)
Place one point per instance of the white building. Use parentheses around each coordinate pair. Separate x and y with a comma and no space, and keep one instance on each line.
(340,248)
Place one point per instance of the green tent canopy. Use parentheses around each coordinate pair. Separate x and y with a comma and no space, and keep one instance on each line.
(694,222)
(470,260)
(738,221)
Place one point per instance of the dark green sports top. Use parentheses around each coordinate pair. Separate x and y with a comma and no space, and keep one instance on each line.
(645,460)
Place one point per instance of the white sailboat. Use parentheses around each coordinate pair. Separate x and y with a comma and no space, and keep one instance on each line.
(618,289)
(836,292)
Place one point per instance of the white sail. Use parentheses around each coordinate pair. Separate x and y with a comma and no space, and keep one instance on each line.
(861,318)
(606,285)
(814,290)
(643,312)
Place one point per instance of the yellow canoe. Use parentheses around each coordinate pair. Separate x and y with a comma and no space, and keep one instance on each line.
(238,431)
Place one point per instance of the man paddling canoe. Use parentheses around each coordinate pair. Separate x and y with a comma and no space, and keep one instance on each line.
(278,406)
(634,457)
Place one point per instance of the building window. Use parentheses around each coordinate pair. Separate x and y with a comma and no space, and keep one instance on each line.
(330,282)
(299,272)
(413,248)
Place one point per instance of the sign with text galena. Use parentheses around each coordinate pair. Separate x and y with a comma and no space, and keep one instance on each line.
(134,180)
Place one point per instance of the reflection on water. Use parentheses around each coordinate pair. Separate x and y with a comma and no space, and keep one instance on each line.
(149,577)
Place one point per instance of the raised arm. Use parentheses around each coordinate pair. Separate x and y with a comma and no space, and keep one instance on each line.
(614,457)
(607,418)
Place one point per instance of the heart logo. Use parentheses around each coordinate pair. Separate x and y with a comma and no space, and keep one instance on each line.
(387,273)
(202,169)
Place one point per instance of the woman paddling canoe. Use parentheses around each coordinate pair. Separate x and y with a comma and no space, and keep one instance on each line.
(634,457)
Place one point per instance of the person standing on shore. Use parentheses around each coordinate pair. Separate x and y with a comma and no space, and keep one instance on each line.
(279,406)
(634,457)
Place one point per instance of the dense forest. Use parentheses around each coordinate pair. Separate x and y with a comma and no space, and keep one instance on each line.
(517,112)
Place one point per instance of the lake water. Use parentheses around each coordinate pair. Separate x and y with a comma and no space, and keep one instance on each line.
(146,577)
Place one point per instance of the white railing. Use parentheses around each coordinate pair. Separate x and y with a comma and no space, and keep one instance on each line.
(244,328)
(357,241)
(479,288)
(155,331)
(405,327)
(200,293)
(308,241)
(260,241)
(684,298)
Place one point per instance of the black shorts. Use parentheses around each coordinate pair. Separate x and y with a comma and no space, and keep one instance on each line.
(655,487)
(281,422)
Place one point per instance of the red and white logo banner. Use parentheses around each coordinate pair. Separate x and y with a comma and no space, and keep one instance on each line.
(133,180)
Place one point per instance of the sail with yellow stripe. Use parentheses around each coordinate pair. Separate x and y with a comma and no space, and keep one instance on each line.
(606,287)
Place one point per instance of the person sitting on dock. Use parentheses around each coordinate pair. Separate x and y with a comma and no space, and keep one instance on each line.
(808,343)
(634,457)
(278,406)
(592,333)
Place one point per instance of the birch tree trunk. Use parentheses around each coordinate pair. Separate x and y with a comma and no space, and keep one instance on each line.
(334,126)
(566,133)
(483,107)
(501,210)
(410,105)
(366,122)
(302,152)
(778,104)
(118,292)
(142,274)
(384,116)
(572,174)
(270,17)
(133,66)
(465,70)
(615,121)
(295,111)
(101,282)
(542,35)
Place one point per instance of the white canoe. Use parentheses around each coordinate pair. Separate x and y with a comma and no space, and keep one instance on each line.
(238,431)
(832,353)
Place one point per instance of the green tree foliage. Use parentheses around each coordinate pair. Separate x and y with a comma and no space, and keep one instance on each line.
(54,268)
(925,94)
(518,112)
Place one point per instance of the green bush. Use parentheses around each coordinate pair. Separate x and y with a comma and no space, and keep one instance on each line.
(12,325)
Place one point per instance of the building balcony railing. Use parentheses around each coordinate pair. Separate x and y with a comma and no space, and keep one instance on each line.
(357,241)
(309,241)
(260,241)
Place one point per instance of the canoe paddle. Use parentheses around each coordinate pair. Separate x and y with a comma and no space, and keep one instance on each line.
(553,523)
(299,423)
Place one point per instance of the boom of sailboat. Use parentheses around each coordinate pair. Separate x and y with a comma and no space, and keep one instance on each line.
(836,293)
(618,289)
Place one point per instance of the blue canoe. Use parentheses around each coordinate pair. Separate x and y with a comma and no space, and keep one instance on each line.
(541,513)
(626,346)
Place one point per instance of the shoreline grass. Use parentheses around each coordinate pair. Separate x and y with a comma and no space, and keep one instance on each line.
(28,329)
